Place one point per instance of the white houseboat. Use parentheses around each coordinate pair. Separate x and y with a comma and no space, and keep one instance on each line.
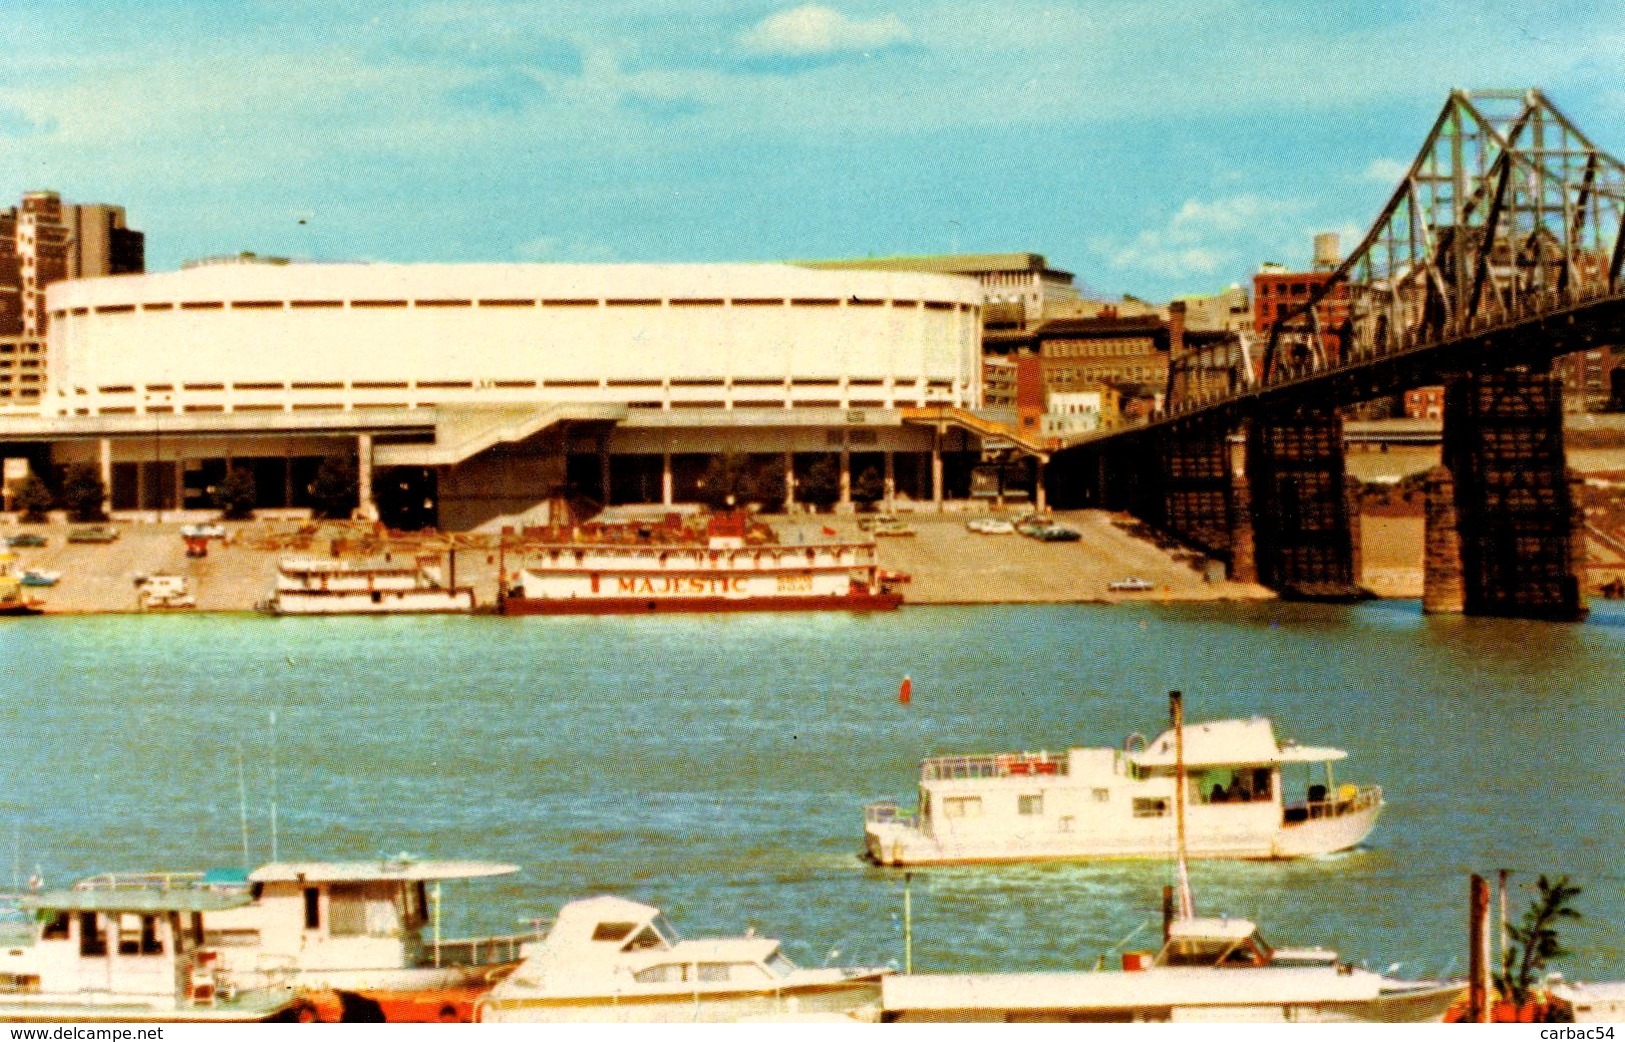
(330,587)
(361,940)
(1209,970)
(1111,803)
(720,572)
(124,955)
(610,959)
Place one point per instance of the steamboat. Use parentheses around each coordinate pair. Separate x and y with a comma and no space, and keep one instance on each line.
(733,565)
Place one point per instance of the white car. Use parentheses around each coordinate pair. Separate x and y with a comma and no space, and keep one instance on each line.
(209,531)
(1133,584)
(991,526)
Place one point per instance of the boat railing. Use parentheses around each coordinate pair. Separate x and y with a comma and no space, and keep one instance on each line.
(889,813)
(997,765)
(1349,799)
(478,951)
(159,881)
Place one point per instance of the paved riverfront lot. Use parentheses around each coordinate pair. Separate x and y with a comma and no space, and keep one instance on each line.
(948,564)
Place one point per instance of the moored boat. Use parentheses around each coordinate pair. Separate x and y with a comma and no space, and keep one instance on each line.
(734,566)
(361,940)
(321,587)
(12,600)
(1111,803)
(610,959)
(125,956)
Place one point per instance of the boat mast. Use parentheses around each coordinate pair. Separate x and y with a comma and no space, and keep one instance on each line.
(1176,710)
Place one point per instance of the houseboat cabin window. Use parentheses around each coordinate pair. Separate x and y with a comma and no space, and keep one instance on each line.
(665,973)
(1231,785)
(362,910)
(738,972)
(1102,795)
(1030,805)
(612,931)
(138,935)
(313,908)
(57,928)
(1150,807)
(962,806)
(91,939)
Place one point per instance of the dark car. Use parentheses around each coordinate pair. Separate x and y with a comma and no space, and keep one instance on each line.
(93,534)
(1059,534)
(26,539)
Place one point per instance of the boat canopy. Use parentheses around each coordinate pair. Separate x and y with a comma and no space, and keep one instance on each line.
(132,899)
(403,869)
(1221,743)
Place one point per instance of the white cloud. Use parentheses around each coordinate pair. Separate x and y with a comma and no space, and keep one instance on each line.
(812,29)
(1385,171)
(1204,237)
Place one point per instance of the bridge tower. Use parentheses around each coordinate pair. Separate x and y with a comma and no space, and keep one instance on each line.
(1517,548)
(1305,521)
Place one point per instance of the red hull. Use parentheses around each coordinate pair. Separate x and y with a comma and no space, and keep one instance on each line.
(660,606)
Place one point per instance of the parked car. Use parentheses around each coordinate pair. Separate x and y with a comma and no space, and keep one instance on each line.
(1133,584)
(209,531)
(1032,524)
(93,534)
(1059,534)
(990,526)
(890,526)
(26,539)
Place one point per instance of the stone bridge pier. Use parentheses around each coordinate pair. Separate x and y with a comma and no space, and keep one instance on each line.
(1505,536)
(1304,510)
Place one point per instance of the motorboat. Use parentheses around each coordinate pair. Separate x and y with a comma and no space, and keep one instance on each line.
(1208,970)
(360,939)
(12,601)
(1120,802)
(610,959)
(164,592)
(125,956)
(40,577)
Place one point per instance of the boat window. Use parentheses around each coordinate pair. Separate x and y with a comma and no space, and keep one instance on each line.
(648,937)
(1066,824)
(231,938)
(313,908)
(1193,951)
(57,928)
(780,966)
(346,911)
(92,941)
(1150,807)
(612,931)
(715,972)
(962,806)
(665,973)
(1102,795)
(1030,805)
(1243,955)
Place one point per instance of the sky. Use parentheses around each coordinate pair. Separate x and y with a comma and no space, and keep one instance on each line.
(1152,148)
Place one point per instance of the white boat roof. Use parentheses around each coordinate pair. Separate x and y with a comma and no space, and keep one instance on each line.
(1215,929)
(401,869)
(134,899)
(1217,743)
(577,920)
(1113,989)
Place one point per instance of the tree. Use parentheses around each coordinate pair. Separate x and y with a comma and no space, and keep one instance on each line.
(336,487)
(236,495)
(869,486)
(1534,941)
(821,485)
(33,498)
(83,493)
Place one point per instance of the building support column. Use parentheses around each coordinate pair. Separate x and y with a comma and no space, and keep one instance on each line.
(603,473)
(104,458)
(665,479)
(891,484)
(366,506)
(844,505)
(1040,497)
(936,471)
(789,482)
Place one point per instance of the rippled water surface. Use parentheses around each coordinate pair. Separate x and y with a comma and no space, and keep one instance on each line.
(718,766)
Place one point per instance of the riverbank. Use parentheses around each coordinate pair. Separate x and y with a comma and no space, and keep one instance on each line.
(947,564)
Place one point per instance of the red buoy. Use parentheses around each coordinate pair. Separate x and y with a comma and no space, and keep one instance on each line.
(906,691)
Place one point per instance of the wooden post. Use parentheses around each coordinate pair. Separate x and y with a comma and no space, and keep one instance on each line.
(1478,951)
(1167,913)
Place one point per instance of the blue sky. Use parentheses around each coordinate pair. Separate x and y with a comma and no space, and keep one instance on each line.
(1154,148)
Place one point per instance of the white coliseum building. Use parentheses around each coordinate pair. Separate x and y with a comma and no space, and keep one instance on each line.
(468,392)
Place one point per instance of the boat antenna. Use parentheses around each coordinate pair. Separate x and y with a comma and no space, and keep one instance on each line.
(1176,710)
(242,803)
(273,787)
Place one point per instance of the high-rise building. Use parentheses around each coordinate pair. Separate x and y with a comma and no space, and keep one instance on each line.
(43,240)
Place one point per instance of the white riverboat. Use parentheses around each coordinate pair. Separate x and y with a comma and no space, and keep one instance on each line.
(610,959)
(124,956)
(1112,803)
(668,568)
(361,940)
(336,587)
(1208,970)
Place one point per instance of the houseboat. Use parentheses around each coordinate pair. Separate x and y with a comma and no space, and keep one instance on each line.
(164,592)
(1208,970)
(124,955)
(12,600)
(733,566)
(1114,803)
(328,587)
(610,959)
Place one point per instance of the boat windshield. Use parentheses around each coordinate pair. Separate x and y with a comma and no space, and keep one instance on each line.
(1215,951)
(780,966)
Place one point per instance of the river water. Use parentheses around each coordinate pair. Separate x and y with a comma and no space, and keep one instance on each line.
(718,766)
